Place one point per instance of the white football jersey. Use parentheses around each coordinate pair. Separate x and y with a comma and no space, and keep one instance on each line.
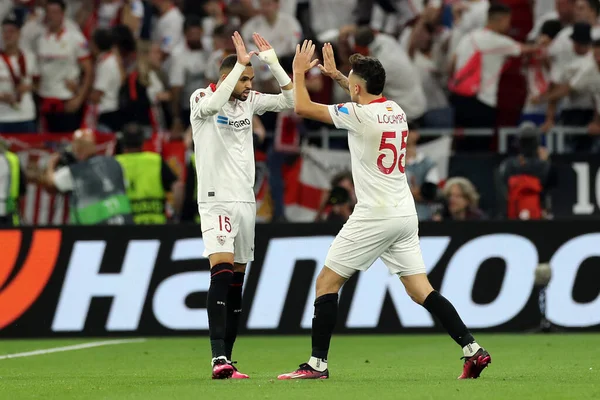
(223,144)
(377,134)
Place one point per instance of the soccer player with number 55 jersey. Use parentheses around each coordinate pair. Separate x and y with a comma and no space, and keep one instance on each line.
(384,222)
(221,119)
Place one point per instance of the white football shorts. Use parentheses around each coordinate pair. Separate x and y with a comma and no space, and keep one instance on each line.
(361,241)
(228,228)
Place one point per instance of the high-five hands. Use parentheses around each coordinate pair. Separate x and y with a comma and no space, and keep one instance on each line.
(303,60)
(328,68)
(243,56)
(266,52)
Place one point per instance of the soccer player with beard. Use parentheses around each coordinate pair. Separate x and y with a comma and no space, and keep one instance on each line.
(221,119)
(384,221)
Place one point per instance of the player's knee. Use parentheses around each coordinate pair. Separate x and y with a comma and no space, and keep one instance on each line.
(220,258)
(417,287)
(329,282)
(221,274)
(239,267)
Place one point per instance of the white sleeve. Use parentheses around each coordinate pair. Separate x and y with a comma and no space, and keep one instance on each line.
(32,67)
(102,78)
(170,35)
(507,46)
(82,50)
(203,105)
(345,116)
(63,179)
(137,9)
(433,176)
(582,80)
(177,71)
(155,87)
(272,102)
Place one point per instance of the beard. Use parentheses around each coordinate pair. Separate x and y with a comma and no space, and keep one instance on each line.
(242,96)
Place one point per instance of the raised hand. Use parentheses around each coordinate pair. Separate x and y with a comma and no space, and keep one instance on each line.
(303,60)
(243,56)
(328,68)
(261,42)
(267,53)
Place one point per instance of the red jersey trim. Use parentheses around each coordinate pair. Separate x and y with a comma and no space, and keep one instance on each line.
(379,100)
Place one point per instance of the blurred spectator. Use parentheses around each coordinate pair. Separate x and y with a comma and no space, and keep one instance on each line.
(142,88)
(423,177)
(538,73)
(403,84)
(66,71)
(187,74)
(328,16)
(468,16)
(526,178)
(5,9)
(148,178)
(427,43)
(341,180)
(121,12)
(222,47)
(341,205)
(585,81)
(95,183)
(562,51)
(462,201)
(108,80)
(476,67)
(168,31)
(13,186)
(17,71)
(564,12)
(281,30)
(34,27)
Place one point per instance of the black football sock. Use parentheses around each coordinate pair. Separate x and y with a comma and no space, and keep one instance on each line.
(445,312)
(234,311)
(216,305)
(326,309)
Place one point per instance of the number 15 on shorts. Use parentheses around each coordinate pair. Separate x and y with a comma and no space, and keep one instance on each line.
(224,224)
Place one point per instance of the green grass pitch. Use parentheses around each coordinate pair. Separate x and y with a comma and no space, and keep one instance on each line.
(410,367)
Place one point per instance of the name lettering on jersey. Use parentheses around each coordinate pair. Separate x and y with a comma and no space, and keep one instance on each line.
(234,123)
(391,119)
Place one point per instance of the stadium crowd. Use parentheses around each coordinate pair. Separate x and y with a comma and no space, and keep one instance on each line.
(103,64)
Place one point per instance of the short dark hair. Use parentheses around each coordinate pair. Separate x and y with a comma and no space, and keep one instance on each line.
(193,21)
(596,43)
(551,28)
(132,136)
(371,70)
(124,39)
(594,5)
(228,63)
(498,9)
(12,19)
(60,3)
(103,39)
(364,36)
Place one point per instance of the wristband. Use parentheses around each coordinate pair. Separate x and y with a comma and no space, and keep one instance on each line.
(279,73)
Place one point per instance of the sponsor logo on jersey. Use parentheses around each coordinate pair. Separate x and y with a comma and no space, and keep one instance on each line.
(343,109)
(390,109)
(233,123)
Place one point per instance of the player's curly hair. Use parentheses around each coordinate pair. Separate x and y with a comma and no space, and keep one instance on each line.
(369,69)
